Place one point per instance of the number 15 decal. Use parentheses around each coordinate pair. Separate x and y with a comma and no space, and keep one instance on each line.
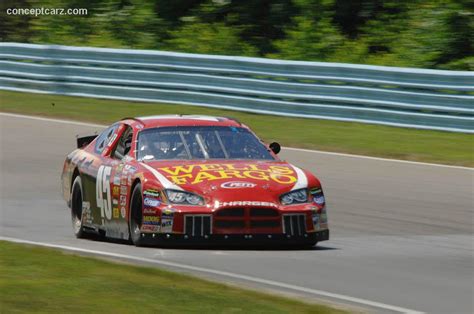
(103,186)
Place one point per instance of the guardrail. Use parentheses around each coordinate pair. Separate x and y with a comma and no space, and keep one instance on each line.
(406,97)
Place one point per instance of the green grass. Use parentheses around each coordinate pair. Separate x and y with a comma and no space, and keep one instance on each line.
(345,137)
(34,279)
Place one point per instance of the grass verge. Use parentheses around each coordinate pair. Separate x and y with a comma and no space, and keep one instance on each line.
(35,279)
(333,136)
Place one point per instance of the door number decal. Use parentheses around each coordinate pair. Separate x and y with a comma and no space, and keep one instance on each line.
(103,188)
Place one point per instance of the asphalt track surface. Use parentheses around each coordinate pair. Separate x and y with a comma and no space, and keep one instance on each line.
(401,233)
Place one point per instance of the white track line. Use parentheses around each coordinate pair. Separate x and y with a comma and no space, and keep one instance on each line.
(288,148)
(378,158)
(63,121)
(222,273)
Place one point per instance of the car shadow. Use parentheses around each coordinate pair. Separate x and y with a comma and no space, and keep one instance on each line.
(219,247)
(267,248)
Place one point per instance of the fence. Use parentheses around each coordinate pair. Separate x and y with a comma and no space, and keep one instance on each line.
(406,97)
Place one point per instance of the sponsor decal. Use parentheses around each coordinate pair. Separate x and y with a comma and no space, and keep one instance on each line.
(167,217)
(316,191)
(86,213)
(315,218)
(115,190)
(130,169)
(123,211)
(246,203)
(116,179)
(237,185)
(150,228)
(168,211)
(318,196)
(149,210)
(86,206)
(153,193)
(123,200)
(123,189)
(151,219)
(116,213)
(149,201)
(123,181)
(319,200)
(194,174)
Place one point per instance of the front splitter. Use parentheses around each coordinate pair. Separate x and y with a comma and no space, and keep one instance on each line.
(242,240)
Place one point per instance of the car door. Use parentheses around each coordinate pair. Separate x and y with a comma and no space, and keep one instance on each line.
(101,204)
(115,185)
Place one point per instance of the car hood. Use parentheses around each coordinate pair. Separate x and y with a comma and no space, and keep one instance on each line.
(231,180)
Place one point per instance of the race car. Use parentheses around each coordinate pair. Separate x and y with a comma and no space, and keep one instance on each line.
(188,179)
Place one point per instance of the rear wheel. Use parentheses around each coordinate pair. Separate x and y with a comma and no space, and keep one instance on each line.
(76,207)
(135,218)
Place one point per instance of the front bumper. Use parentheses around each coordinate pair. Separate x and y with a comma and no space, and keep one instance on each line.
(246,240)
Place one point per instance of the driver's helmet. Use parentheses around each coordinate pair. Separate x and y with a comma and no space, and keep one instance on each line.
(144,147)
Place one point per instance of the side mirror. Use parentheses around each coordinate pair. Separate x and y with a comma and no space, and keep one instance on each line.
(275,147)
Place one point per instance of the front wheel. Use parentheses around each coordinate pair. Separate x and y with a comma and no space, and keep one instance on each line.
(76,207)
(135,217)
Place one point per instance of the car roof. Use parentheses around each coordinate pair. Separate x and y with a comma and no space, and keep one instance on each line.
(181,120)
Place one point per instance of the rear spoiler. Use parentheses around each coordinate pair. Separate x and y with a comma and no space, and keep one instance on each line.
(83,141)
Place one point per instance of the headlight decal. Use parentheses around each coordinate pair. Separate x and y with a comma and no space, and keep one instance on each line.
(294,197)
(183,198)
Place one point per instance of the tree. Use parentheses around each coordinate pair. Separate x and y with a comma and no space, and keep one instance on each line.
(215,38)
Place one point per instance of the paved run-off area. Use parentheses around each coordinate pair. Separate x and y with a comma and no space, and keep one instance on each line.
(401,233)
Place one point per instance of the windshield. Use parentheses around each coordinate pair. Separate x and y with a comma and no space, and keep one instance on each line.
(212,142)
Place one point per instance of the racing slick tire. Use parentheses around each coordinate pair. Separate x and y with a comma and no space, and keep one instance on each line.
(135,218)
(76,208)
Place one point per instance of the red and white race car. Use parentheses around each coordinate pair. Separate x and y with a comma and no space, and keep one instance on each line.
(190,179)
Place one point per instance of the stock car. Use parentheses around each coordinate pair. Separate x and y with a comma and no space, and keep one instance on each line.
(174,179)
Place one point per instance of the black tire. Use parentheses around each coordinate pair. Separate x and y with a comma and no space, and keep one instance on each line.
(76,208)
(135,216)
